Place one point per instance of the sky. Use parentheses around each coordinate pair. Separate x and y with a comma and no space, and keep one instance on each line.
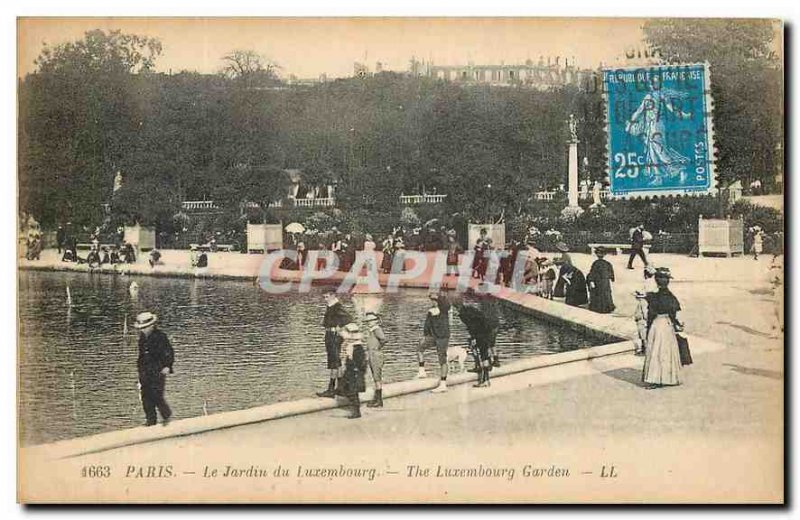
(308,47)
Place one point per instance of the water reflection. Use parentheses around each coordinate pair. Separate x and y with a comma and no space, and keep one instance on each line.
(236,347)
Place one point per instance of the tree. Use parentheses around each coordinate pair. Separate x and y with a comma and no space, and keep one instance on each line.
(78,113)
(746,83)
(251,68)
(244,187)
(111,52)
(230,137)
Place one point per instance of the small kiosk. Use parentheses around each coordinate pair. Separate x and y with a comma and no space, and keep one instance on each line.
(263,238)
(143,238)
(497,232)
(720,236)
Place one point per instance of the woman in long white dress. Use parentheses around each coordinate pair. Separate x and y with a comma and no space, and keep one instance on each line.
(662,362)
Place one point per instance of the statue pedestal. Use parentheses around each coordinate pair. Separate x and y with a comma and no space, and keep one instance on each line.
(573,174)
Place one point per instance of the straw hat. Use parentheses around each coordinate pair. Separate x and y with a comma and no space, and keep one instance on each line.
(370,317)
(561,246)
(663,272)
(145,319)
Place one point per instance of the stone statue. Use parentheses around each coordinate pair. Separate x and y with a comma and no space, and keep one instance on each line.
(596,201)
(573,129)
(584,193)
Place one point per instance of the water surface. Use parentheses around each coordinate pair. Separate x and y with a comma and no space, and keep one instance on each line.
(235,347)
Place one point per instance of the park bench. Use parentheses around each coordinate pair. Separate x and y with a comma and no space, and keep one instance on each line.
(617,247)
(207,247)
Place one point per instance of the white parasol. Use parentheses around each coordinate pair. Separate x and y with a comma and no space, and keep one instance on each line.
(295,227)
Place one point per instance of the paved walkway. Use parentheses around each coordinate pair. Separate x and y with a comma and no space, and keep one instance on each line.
(717,437)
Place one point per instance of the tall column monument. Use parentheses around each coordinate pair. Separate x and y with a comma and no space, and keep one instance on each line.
(573,162)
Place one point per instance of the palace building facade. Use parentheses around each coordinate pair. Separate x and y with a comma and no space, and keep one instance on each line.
(542,75)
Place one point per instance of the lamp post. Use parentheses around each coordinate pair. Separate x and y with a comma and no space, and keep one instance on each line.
(778,179)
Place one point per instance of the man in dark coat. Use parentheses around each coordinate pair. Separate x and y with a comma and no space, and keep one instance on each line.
(599,279)
(436,333)
(637,245)
(336,317)
(128,252)
(480,332)
(491,310)
(61,238)
(564,263)
(575,289)
(509,262)
(155,362)
(93,258)
(105,257)
(114,255)
(355,366)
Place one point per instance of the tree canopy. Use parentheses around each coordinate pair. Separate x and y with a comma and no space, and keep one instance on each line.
(227,137)
(95,108)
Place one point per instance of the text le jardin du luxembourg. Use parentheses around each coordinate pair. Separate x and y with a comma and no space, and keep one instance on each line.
(341,471)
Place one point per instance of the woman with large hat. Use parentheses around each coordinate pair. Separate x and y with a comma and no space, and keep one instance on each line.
(599,280)
(388,254)
(571,283)
(662,362)
(454,250)
(482,245)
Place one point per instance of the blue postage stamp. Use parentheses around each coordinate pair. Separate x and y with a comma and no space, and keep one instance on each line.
(660,132)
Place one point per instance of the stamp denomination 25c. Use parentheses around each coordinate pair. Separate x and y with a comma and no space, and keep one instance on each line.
(660,133)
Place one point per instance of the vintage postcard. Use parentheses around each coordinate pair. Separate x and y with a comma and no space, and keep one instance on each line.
(400,260)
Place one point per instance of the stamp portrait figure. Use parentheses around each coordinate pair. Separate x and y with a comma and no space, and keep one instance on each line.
(648,122)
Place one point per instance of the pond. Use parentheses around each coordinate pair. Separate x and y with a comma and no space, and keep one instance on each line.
(236,347)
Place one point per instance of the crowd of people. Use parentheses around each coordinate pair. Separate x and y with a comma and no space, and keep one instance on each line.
(352,348)
(100,255)
(111,254)
(355,347)
(120,252)
(546,275)
(345,246)
(350,355)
